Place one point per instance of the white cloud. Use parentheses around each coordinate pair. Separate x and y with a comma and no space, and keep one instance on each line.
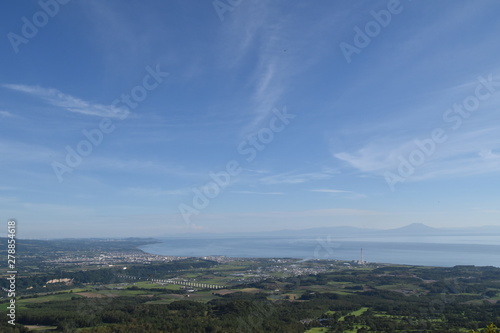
(374,157)
(464,153)
(137,165)
(330,191)
(255,27)
(17,205)
(154,192)
(295,178)
(6,114)
(73,104)
(254,192)
(330,212)
(348,194)
(488,154)
(491,211)
(8,188)
(468,148)
(18,152)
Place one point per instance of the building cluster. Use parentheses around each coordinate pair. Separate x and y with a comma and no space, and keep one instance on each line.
(110,258)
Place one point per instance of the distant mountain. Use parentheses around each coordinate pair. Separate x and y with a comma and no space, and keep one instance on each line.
(340,231)
(412,230)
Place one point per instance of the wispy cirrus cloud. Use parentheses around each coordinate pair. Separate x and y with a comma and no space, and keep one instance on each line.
(329,191)
(154,192)
(141,166)
(470,145)
(372,158)
(6,114)
(296,178)
(8,188)
(488,154)
(329,212)
(256,192)
(282,55)
(464,153)
(349,194)
(20,153)
(70,103)
(491,211)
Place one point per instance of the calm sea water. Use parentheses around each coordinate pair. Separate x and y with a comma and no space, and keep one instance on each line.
(446,252)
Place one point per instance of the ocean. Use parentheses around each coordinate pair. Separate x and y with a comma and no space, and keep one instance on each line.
(437,251)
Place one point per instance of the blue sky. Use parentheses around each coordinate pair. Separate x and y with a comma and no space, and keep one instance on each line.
(326,125)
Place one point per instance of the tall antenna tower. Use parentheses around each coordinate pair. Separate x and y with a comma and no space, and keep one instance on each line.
(362,262)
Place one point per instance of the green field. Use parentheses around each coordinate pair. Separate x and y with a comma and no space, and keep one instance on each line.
(317,330)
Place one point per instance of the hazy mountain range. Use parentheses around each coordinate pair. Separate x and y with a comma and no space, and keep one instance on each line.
(412,230)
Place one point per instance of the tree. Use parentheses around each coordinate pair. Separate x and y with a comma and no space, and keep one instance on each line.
(491,328)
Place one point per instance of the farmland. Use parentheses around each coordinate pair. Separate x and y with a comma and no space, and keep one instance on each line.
(253,295)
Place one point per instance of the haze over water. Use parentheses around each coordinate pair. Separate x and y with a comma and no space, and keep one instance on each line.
(441,251)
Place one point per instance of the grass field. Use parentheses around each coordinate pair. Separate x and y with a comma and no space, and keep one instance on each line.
(39,328)
(21,303)
(356,313)
(359,312)
(149,285)
(317,330)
